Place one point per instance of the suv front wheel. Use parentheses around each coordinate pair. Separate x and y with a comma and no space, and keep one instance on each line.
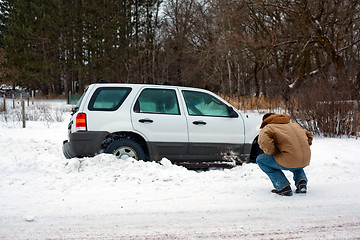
(125,148)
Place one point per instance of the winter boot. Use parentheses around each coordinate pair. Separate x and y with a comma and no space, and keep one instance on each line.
(301,187)
(286,191)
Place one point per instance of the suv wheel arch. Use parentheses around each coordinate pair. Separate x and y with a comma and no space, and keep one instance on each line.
(113,137)
(255,150)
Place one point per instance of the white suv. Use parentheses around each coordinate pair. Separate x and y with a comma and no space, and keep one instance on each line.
(149,122)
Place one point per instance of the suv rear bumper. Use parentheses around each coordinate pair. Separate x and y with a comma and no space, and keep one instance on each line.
(83,144)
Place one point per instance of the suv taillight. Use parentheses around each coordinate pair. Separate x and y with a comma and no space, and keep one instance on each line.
(81,122)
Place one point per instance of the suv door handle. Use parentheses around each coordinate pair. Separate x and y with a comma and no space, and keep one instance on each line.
(199,123)
(146,120)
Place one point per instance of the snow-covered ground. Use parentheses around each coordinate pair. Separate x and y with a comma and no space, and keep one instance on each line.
(45,196)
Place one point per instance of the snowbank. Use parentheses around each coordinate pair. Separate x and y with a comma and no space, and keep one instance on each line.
(45,196)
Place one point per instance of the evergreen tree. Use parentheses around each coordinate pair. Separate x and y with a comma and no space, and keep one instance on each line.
(58,46)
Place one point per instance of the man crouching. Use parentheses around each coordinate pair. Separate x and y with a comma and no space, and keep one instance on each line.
(286,146)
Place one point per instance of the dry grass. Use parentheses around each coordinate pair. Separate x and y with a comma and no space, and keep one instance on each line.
(332,118)
(255,103)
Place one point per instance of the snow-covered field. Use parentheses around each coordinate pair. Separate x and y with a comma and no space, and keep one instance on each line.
(45,196)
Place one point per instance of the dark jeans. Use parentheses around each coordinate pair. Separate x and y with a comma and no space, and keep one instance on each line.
(268,164)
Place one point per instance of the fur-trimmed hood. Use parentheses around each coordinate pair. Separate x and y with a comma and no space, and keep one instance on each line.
(275,118)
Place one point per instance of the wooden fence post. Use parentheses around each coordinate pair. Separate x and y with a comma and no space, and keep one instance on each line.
(4,103)
(69,98)
(355,124)
(23,113)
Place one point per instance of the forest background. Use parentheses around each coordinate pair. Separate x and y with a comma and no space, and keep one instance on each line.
(303,56)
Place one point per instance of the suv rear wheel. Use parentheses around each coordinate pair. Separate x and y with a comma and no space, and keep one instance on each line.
(125,148)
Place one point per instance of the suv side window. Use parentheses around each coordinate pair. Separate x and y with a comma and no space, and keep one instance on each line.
(203,104)
(108,98)
(161,101)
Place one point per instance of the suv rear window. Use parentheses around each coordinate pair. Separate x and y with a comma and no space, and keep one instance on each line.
(108,98)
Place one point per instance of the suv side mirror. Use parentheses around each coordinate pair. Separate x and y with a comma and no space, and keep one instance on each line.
(232,112)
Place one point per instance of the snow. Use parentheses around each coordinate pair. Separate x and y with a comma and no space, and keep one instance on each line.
(45,196)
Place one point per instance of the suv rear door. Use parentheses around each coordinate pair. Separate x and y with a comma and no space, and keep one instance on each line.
(158,115)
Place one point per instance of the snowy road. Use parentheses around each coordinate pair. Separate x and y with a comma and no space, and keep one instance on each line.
(195,225)
(45,196)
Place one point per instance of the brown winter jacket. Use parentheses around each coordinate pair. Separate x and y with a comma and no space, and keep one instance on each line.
(288,142)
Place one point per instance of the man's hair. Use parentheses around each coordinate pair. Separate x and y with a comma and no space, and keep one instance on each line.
(267,115)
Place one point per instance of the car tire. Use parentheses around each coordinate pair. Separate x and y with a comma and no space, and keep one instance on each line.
(255,150)
(125,148)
